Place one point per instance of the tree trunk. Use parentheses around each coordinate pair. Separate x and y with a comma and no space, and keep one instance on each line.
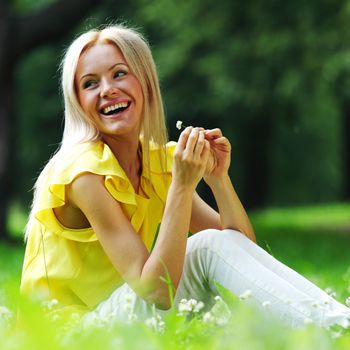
(5,110)
(257,164)
(346,131)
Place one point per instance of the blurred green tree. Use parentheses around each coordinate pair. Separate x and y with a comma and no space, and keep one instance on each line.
(20,33)
(275,76)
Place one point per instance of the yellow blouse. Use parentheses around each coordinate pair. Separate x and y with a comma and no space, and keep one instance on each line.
(70,265)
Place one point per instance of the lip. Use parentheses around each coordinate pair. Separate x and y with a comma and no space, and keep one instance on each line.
(115,115)
(113,102)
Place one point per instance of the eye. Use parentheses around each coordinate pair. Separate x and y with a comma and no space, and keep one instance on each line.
(89,83)
(119,73)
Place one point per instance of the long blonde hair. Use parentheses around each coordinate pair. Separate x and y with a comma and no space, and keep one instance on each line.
(78,128)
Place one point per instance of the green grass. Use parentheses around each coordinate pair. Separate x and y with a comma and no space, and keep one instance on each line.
(314,241)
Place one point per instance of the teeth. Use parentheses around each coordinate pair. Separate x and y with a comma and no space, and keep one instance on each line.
(115,107)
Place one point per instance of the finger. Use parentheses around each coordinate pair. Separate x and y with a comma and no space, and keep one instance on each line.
(213,134)
(181,144)
(205,152)
(221,142)
(191,141)
(199,145)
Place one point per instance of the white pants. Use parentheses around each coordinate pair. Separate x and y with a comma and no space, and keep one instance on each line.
(231,259)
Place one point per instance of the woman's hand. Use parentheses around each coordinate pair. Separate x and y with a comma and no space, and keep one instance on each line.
(190,157)
(220,155)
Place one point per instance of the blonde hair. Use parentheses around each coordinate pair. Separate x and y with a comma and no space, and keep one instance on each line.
(78,127)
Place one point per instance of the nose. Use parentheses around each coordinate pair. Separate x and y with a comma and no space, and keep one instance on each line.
(108,90)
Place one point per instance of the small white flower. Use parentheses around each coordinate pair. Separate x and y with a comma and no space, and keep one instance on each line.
(288,301)
(55,317)
(184,307)
(246,295)
(221,321)
(151,322)
(330,292)
(128,298)
(128,307)
(155,323)
(187,306)
(266,303)
(220,311)
(308,321)
(218,298)
(347,301)
(5,314)
(132,317)
(208,318)
(49,305)
(179,124)
(200,305)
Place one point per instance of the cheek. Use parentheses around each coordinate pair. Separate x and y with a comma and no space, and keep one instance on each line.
(86,101)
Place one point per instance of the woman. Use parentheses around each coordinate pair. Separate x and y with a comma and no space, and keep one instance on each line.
(113,207)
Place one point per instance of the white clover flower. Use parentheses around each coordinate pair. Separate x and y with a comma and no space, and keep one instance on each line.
(187,306)
(128,307)
(221,321)
(347,301)
(55,317)
(184,307)
(179,124)
(220,311)
(198,307)
(208,317)
(91,321)
(192,303)
(5,314)
(128,298)
(246,294)
(155,323)
(266,303)
(132,317)
(308,321)
(218,298)
(49,305)
(330,292)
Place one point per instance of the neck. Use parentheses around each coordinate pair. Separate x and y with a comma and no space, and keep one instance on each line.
(126,151)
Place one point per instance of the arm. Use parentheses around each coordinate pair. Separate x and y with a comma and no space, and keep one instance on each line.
(232,212)
(123,245)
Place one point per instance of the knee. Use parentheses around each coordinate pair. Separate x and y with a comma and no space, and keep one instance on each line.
(213,239)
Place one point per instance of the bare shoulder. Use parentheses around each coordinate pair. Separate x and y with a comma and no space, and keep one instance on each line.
(84,186)
(82,189)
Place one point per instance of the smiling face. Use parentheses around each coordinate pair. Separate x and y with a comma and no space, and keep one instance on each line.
(108,92)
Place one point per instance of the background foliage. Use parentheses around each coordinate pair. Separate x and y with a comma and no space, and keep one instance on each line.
(273,75)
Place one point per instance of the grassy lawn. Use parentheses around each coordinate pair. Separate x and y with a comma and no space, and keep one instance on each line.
(315,241)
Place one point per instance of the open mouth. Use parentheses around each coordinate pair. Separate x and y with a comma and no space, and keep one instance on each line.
(115,109)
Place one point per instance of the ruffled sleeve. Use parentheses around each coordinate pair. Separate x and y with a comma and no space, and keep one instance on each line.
(90,157)
(161,169)
(98,158)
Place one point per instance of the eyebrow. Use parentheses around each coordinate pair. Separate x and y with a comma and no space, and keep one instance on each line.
(109,69)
